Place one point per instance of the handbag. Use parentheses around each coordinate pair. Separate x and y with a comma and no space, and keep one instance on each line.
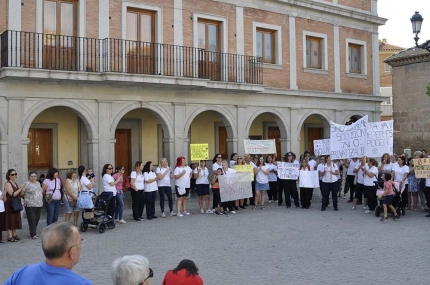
(72,202)
(48,196)
(15,203)
(85,200)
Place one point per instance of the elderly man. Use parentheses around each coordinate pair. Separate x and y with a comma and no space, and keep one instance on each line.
(61,244)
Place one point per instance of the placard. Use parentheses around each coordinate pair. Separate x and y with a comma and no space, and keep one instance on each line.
(288,170)
(348,141)
(248,168)
(260,146)
(422,167)
(234,186)
(309,179)
(322,147)
(379,138)
(199,151)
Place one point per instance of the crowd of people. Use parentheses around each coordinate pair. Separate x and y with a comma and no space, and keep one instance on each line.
(361,182)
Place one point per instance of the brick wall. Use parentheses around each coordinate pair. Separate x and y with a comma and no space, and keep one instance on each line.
(3,16)
(92,19)
(359,4)
(28,16)
(385,77)
(312,81)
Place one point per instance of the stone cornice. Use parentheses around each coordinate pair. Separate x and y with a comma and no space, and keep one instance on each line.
(408,60)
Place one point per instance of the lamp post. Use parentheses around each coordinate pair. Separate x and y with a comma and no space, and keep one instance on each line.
(417,21)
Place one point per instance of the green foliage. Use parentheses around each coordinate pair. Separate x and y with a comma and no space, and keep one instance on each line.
(428,90)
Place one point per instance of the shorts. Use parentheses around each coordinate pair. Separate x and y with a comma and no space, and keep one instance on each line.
(202,189)
(70,209)
(388,200)
(261,186)
(358,190)
(366,191)
(187,190)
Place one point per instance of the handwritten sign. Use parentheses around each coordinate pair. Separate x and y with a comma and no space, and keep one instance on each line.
(309,179)
(234,186)
(245,168)
(422,167)
(348,141)
(322,147)
(199,151)
(287,170)
(379,138)
(260,146)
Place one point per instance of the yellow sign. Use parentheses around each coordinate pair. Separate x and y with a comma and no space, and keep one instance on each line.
(422,168)
(199,151)
(245,168)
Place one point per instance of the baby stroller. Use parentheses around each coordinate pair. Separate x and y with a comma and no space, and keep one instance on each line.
(397,199)
(97,217)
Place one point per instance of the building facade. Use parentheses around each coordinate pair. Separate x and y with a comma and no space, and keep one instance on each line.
(95,82)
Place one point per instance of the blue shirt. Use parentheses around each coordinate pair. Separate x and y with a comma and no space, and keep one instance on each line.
(42,273)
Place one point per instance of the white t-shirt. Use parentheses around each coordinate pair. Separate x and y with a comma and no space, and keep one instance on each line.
(399,173)
(272,175)
(229,171)
(1,204)
(337,163)
(351,167)
(85,181)
(150,187)
(261,177)
(165,182)
(184,180)
(107,178)
(215,166)
(203,177)
(369,181)
(328,177)
(232,163)
(312,164)
(140,180)
(360,177)
(320,169)
(387,168)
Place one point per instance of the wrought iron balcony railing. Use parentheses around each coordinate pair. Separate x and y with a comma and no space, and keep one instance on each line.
(56,52)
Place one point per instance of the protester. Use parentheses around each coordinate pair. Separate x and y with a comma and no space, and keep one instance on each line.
(201,174)
(185,273)
(33,202)
(370,178)
(273,180)
(359,187)
(137,184)
(182,174)
(329,183)
(165,173)
(233,159)
(151,189)
(227,204)
(388,197)
(413,183)
(290,185)
(350,165)
(261,182)
(61,244)
(400,174)
(305,192)
(109,186)
(119,209)
(131,270)
(216,195)
(241,202)
(52,189)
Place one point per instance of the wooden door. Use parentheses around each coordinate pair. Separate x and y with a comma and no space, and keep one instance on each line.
(209,60)
(274,133)
(222,142)
(39,150)
(123,151)
(314,134)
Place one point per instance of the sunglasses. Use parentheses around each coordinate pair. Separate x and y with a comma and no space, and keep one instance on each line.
(14,174)
(219,156)
(109,168)
(151,274)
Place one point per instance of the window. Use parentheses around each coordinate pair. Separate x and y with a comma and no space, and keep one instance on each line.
(313,52)
(39,150)
(208,33)
(388,102)
(355,58)
(59,18)
(265,45)
(387,67)
(141,26)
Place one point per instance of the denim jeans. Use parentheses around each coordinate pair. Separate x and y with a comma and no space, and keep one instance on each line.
(163,191)
(119,205)
(52,211)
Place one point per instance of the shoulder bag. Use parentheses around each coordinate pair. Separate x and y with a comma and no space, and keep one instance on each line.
(15,203)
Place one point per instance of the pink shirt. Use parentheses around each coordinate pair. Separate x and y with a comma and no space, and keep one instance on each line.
(388,186)
(118,186)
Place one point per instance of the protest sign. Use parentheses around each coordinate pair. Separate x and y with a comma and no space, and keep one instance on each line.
(322,147)
(234,186)
(422,167)
(379,138)
(199,151)
(348,141)
(245,168)
(309,179)
(260,146)
(287,170)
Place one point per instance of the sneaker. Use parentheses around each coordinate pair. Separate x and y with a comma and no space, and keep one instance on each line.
(233,212)
(220,213)
(186,213)
(353,208)
(270,201)
(396,217)
(344,196)
(154,217)
(172,214)
(216,212)
(367,212)
(180,215)
(202,211)
(364,208)
(242,207)
(116,220)
(138,220)
(224,213)
(383,219)
(275,201)
(208,211)
(122,222)
(163,215)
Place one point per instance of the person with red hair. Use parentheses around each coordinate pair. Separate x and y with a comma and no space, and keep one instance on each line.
(182,175)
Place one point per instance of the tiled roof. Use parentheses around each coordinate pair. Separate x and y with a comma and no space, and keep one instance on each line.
(387,46)
(409,56)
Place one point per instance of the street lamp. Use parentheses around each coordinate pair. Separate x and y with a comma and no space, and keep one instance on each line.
(417,21)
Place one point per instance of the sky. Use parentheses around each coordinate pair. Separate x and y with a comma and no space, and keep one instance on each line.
(398,29)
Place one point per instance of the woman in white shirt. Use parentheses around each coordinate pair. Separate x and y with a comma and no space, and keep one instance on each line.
(137,184)
(217,163)
(151,188)
(370,178)
(386,165)
(109,186)
(164,174)
(261,181)
(306,193)
(329,183)
(233,159)
(182,175)
(227,204)
(201,174)
(290,185)
(400,174)
(273,180)
(350,165)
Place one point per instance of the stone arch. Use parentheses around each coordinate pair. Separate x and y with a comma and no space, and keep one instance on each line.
(356,114)
(277,116)
(83,112)
(325,119)
(158,112)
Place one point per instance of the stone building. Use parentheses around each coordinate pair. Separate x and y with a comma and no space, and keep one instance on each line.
(411,104)
(115,81)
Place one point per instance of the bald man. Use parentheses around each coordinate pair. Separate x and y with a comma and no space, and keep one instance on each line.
(61,244)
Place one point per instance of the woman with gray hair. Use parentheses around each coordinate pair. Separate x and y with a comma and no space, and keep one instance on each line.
(131,270)
(33,201)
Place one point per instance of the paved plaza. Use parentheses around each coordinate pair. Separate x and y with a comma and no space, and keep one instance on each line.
(274,246)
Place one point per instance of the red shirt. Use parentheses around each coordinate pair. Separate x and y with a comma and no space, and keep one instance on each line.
(180,278)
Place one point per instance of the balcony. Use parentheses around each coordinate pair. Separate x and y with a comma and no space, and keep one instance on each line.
(115,60)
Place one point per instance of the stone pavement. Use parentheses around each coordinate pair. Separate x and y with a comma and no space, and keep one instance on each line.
(274,246)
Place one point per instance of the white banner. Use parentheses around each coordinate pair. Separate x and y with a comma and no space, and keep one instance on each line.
(235,186)
(348,141)
(379,138)
(309,179)
(287,170)
(260,146)
(322,147)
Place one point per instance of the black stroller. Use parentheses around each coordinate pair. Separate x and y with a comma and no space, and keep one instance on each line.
(397,201)
(97,217)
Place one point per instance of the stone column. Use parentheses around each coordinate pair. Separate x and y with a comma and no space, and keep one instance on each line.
(242,118)
(105,142)
(181,143)
(295,133)
(4,159)
(17,148)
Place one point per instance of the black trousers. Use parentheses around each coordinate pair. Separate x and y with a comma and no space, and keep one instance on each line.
(33,217)
(305,196)
(216,198)
(150,198)
(273,192)
(372,200)
(228,205)
(405,201)
(428,196)
(163,191)
(111,207)
(328,188)
(350,182)
(290,190)
(280,187)
(137,203)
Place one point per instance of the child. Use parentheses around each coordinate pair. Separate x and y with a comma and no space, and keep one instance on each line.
(388,193)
